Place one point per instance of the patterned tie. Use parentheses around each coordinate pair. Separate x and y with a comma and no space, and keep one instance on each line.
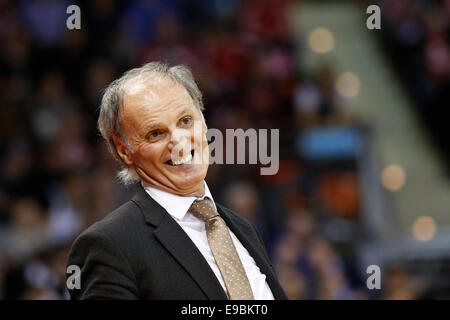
(223,250)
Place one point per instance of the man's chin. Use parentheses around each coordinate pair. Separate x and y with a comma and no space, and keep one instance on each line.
(188,189)
(188,183)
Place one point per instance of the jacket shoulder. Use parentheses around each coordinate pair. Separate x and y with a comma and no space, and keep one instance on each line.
(117,225)
(117,220)
(102,252)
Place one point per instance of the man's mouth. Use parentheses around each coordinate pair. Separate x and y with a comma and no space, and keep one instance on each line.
(188,157)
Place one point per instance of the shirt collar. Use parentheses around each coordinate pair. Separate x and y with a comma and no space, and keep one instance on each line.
(177,206)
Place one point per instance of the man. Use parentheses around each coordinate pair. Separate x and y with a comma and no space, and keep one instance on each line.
(171,241)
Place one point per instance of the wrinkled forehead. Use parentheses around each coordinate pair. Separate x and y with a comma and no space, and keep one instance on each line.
(155,93)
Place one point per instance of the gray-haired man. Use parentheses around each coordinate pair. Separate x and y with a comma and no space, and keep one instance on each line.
(171,241)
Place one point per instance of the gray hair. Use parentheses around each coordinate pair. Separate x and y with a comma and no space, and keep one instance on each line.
(109,122)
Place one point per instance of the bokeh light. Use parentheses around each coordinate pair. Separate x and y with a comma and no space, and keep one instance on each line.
(348,85)
(321,40)
(393,177)
(424,228)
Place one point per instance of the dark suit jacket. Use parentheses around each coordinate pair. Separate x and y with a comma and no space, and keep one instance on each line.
(139,252)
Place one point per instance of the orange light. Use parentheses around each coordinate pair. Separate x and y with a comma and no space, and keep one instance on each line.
(321,40)
(348,85)
(424,228)
(393,177)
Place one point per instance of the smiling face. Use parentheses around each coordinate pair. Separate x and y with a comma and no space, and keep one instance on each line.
(167,135)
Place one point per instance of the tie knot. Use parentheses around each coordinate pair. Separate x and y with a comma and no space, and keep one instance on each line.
(203,209)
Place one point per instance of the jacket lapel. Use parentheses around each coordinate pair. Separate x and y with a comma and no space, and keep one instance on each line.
(242,231)
(173,238)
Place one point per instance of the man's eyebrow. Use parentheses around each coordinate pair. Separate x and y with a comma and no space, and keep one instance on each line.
(186,110)
(152,126)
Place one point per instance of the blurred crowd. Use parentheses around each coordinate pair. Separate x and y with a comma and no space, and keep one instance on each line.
(57,177)
(416,34)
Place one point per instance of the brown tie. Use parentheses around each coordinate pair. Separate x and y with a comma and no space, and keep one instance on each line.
(223,250)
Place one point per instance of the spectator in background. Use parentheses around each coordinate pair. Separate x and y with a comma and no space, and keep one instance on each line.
(400,285)
(28,231)
(43,19)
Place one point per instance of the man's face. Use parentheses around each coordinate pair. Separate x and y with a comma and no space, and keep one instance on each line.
(167,134)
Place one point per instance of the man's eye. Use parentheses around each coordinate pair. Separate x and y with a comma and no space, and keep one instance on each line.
(186,120)
(154,134)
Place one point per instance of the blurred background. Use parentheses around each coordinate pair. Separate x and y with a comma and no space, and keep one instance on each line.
(364,154)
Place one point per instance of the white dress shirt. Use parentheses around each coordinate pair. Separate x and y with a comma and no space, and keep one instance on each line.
(178,206)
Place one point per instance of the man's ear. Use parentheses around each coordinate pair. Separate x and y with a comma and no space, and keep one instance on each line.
(123,151)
